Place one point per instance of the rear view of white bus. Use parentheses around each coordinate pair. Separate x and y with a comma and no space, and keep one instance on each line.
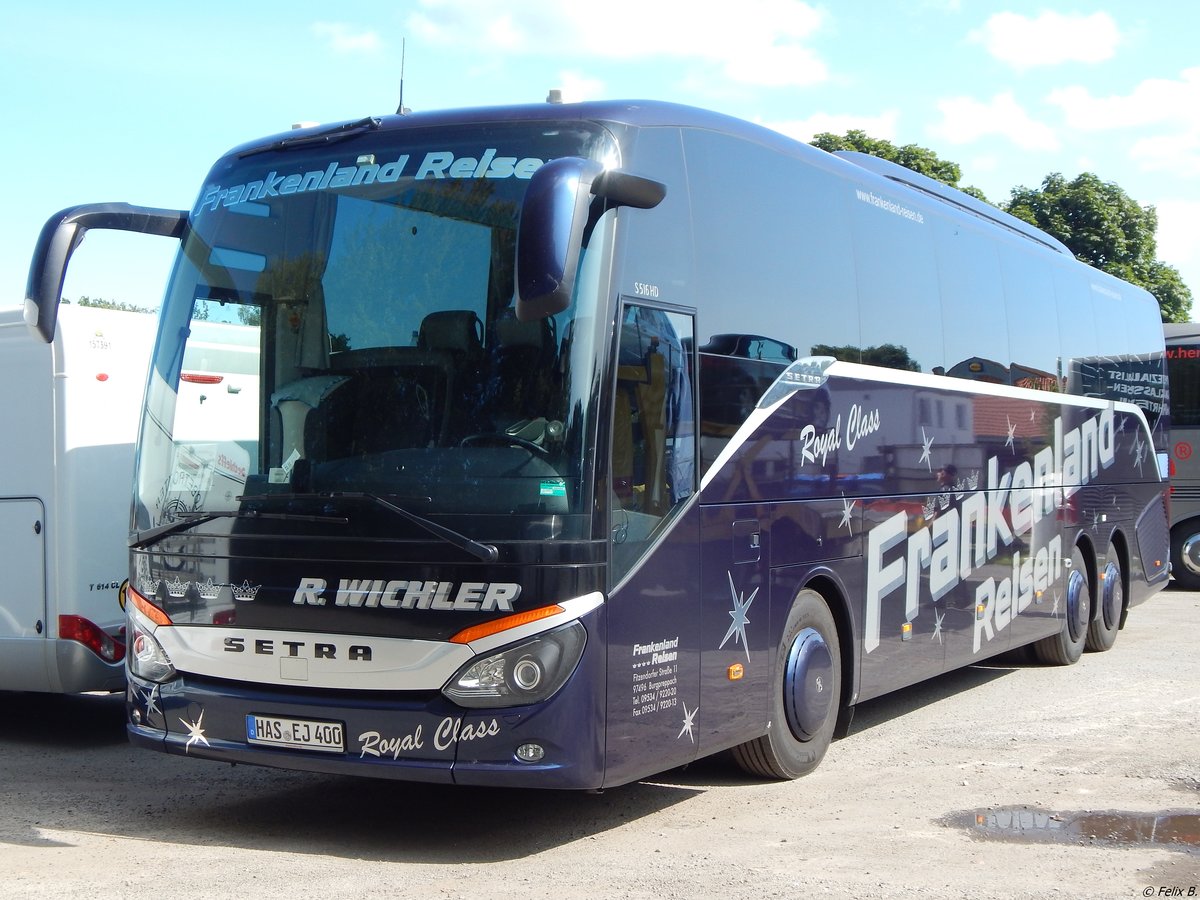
(70,412)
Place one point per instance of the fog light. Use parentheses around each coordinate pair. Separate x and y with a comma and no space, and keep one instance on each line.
(530,753)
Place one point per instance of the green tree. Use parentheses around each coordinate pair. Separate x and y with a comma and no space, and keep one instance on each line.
(1105,227)
(101,303)
(887,356)
(911,156)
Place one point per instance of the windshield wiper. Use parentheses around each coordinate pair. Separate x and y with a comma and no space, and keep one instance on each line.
(483,552)
(324,136)
(189,520)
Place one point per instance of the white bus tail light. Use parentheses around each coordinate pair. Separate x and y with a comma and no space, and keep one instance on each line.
(529,672)
(92,636)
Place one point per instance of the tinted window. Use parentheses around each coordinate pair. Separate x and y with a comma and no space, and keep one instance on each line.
(772,249)
(658,243)
(973,310)
(654,432)
(899,302)
(1032,319)
(1183,365)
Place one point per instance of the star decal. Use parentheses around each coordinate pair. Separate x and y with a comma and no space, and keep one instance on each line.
(927,445)
(1139,452)
(195,732)
(1054,611)
(737,628)
(150,701)
(1012,431)
(938,618)
(846,510)
(689,719)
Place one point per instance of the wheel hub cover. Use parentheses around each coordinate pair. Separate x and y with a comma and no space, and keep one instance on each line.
(808,684)
(1191,554)
(1076,610)
(1113,596)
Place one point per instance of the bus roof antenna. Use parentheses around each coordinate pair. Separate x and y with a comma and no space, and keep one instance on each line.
(400,109)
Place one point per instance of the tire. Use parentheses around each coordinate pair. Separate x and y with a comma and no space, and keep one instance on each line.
(1106,622)
(1183,539)
(806,695)
(1065,647)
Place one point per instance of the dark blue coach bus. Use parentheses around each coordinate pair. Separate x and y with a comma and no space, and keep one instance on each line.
(593,439)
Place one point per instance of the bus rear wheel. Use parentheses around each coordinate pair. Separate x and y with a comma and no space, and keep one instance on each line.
(806,695)
(1106,621)
(1065,647)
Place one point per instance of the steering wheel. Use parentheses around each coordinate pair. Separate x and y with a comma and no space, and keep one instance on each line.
(504,439)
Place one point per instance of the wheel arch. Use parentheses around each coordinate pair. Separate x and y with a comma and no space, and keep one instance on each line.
(1083,542)
(1120,543)
(835,598)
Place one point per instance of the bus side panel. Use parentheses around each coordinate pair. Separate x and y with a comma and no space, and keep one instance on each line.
(735,633)
(26,498)
(653,718)
(23,640)
(569,727)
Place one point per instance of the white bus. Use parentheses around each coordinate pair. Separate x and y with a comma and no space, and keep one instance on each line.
(70,412)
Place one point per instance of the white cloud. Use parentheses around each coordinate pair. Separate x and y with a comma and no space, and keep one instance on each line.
(577,88)
(965,120)
(759,42)
(1152,101)
(1049,39)
(1166,113)
(1179,240)
(345,39)
(1175,153)
(882,126)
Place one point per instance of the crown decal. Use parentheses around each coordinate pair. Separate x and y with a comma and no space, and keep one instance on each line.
(208,590)
(177,587)
(245,591)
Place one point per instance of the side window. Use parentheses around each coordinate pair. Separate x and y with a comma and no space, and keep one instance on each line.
(899,303)
(1183,364)
(654,433)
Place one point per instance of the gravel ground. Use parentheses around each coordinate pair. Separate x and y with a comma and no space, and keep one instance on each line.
(922,799)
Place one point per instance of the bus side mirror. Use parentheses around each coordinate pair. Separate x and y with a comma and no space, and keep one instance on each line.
(554,219)
(63,232)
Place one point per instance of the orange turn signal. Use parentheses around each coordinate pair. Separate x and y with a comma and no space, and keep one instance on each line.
(484,629)
(148,609)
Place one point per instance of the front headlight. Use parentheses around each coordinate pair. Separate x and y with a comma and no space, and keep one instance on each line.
(528,672)
(146,656)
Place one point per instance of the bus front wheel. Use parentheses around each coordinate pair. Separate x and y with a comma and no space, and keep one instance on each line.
(806,695)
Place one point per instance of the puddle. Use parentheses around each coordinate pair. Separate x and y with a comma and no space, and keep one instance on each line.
(1174,830)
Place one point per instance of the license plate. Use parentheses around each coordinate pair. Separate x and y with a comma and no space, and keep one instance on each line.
(298,734)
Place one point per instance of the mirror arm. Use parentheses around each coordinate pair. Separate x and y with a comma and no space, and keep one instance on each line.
(63,232)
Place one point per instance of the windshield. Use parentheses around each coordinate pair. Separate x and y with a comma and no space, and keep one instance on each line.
(341,323)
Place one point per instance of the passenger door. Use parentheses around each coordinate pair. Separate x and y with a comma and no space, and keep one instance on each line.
(653,623)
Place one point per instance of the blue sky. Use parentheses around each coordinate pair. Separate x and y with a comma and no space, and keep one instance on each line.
(134,101)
